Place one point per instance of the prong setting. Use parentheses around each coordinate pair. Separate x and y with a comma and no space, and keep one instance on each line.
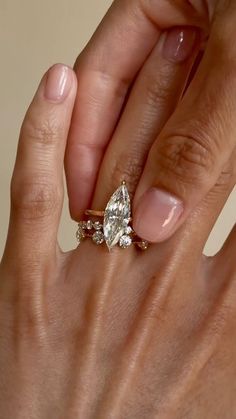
(116,228)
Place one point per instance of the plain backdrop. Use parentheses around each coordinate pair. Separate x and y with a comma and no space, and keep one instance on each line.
(33,36)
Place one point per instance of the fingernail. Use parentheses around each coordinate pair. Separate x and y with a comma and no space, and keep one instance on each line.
(179,44)
(156,215)
(58,83)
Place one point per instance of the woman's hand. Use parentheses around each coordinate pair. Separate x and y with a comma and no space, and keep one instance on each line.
(137,62)
(93,334)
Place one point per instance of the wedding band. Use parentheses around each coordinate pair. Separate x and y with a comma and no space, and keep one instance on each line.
(113,225)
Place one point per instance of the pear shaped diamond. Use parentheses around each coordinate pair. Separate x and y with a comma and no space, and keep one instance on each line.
(117,216)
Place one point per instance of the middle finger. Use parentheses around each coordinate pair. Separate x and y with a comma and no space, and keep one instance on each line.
(154,96)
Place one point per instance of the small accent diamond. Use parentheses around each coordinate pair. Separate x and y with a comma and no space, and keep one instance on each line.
(80,235)
(97,225)
(125,241)
(98,237)
(89,225)
(81,224)
(128,230)
(143,245)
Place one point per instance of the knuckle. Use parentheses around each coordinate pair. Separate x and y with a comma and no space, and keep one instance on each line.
(43,132)
(34,200)
(187,158)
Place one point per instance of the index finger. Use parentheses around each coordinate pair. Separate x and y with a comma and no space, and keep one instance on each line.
(105,70)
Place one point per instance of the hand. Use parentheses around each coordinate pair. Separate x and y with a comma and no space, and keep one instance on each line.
(137,62)
(93,334)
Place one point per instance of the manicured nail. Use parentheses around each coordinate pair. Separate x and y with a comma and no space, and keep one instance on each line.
(156,215)
(179,44)
(58,83)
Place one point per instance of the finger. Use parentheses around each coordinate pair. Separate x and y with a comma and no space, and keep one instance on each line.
(204,217)
(196,230)
(37,183)
(191,238)
(105,70)
(188,157)
(154,97)
(226,256)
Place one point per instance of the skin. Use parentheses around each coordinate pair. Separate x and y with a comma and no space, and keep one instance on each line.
(184,157)
(93,334)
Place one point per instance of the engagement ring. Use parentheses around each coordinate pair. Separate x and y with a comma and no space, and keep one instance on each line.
(112,226)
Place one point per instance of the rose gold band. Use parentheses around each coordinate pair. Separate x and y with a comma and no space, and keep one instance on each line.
(95,213)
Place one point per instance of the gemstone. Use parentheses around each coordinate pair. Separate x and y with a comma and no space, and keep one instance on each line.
(97,225)
(128,230)
(125,241)
(143,245)
(98,237)
(117,216)
(89,225)
(80,234)
(84,225)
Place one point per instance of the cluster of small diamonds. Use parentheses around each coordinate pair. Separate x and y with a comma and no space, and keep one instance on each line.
(91,226)
(95,228)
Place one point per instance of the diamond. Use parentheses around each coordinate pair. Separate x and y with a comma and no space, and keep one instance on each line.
(128,230)
(97,225)
(125,241)
(89,225)
(82,225)
(117,216)
(98,237)
(143,245)
(80,234)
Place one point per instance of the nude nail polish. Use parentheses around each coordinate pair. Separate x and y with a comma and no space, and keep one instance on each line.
(58,83)
(156,215)
(179,44)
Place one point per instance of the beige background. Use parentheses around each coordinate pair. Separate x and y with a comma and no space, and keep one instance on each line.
(34,35)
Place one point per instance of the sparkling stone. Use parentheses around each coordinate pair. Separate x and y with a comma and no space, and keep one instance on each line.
(97,225)
(125,241)
(117,216)
(80,234)
(84,225)
(89,225)
(143,245)
(128,230)
(98,237)
(81,224)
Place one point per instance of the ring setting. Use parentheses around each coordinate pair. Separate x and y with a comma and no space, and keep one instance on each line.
(111,226)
